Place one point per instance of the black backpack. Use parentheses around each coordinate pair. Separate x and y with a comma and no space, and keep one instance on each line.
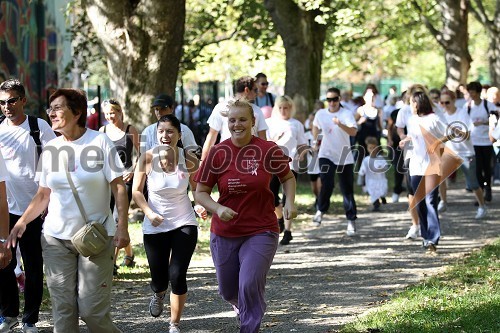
(34,131)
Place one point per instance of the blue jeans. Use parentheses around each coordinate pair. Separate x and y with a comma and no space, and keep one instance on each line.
(428,213)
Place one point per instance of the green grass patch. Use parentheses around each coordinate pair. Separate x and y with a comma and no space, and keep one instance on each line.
(466,298)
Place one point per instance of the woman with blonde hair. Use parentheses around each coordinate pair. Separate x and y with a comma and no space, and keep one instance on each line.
(288,133)
(126,139)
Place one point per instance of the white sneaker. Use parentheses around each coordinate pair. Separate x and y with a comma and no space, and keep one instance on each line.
(351,228)
(7,323)
(496,182)
(414,232)
(395,197)
(29,328)
(318,217)
(481,212)
(174,328)
(442,206)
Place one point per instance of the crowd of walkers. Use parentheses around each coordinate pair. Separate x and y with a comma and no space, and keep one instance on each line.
(46,172)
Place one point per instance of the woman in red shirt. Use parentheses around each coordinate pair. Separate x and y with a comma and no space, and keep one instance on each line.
(244,232)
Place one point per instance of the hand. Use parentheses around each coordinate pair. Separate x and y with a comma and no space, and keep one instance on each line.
(5,256)
(226,213)
(403,142)
(128,176)
(336,121)
(155,219)
(15,233)
(201,211)
(289,211)
(121,238)
(432,148)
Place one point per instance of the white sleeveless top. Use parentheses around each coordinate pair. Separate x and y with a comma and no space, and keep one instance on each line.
(167,196)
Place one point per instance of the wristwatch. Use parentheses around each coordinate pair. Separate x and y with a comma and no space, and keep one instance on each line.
(2,240)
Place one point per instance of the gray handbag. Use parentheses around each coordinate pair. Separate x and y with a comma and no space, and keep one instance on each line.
(93,238)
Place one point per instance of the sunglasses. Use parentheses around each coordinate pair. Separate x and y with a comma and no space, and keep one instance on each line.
(445,102)
(333,99)
(264,83)
(10,101)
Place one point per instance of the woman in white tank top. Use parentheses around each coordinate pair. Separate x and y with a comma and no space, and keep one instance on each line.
(170,227)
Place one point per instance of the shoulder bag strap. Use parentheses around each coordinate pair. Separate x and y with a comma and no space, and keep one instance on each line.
(73,189)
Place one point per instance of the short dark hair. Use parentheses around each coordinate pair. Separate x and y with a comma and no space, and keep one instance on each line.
(371,86)
(15,85)
(259,75)
(474,86)
(76,101)
(333,90)
(435,91)
(424,106)
(244,82)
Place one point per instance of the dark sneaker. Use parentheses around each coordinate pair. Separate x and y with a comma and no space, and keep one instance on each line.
(384,200)
(287,237)
(156,305)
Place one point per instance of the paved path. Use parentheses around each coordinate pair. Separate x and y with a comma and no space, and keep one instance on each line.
(323,279)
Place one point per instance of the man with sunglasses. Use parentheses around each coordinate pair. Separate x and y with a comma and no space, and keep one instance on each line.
(21,152)
(337,125)
(263,98)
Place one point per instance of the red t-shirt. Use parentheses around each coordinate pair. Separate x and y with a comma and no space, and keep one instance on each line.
(242,176)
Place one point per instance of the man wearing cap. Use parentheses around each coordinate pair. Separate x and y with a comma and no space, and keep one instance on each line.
(20,140)
(163,105)
(247,90)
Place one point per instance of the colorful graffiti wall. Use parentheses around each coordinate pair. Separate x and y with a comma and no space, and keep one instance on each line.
(28,49)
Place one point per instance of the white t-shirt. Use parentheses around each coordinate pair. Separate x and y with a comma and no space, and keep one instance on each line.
(149,138)
(219,123)
(424,129)
(4,174)
(335,142)
(167,196)
(19,151)
(460,119)
(401,122)
(91,176)
(479,134)
(288,134)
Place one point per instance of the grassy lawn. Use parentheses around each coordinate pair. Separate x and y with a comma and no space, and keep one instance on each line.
(466,298)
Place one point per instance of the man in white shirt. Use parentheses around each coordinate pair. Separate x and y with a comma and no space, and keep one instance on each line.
(335,156)
(246,90)
(19,147)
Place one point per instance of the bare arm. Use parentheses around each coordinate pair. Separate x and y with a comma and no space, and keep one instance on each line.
(262,135)
(209,142)
(119,190)
(38,204)
(289,187)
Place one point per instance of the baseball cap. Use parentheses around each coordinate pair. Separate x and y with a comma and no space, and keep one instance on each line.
(163,101)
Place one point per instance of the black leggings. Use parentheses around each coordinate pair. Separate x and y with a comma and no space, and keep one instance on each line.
(484,163)
(177,245)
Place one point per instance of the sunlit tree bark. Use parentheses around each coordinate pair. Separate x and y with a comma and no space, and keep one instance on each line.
(453,38)
(143,42)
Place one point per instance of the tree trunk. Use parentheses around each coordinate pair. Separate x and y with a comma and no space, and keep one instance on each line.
(143,41)
(454,38)
(303,39)
(494,59)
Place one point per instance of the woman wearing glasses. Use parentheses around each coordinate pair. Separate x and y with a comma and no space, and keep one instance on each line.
(79,286)
(126,140)
(460,125)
